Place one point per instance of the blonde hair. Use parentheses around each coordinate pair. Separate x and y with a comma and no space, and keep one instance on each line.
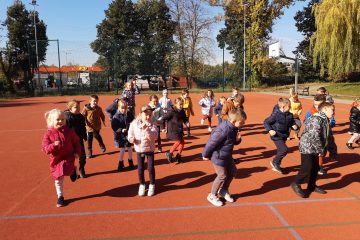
(236,115)
(283,102)
(293,93)
(122,102)
(72,103)
(51,115)
(179,99)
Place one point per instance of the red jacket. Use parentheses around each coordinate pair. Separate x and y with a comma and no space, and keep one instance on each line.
(62,156)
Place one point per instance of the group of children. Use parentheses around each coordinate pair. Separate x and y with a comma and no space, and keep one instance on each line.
(63,144)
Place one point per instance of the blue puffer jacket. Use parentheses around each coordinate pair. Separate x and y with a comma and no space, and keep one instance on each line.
(221,143)
(280,122)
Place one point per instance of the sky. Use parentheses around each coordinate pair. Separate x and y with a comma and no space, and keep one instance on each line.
(74,22)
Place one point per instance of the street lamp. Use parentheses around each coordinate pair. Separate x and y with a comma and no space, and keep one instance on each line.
(33,2)
(244,36)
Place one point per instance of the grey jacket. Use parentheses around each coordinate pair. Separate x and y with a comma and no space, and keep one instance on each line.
(317,137)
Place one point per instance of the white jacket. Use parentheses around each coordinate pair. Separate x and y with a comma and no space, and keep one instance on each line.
(207,104)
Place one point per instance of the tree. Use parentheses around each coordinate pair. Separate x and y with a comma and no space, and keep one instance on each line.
(336,42)
(20,28)
(259,19)
(134,38)
(193,25)
(305,23)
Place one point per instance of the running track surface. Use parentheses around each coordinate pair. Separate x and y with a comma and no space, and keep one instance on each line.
(105,205)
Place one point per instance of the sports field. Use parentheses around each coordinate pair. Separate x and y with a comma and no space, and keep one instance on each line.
(105,205)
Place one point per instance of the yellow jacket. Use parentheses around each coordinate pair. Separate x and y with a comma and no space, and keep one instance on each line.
(296,109)
(188,108)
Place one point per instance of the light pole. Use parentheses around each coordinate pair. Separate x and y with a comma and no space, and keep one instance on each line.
(33,2)
(244,36)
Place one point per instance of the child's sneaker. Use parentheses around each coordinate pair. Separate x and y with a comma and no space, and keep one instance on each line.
(349,146)
(276,167)
(74,176)
(214,200)
(159,150)
(131,164)
(169,156)
(226,195)
(178,158)
(60,202)
(202,122)
(120,166)
(209,129)
(151,191)
(321,171)
(89,154)
(103,149)
(82,172)
(141,190)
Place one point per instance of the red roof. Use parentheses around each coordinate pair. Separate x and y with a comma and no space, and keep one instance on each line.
(70,69)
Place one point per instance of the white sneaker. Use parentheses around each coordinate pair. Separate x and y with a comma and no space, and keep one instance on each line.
(214,200)
(151,191)
(226,195)
(209,129)
(142,190)
(202,121)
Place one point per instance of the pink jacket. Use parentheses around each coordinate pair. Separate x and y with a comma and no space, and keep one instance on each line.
(62,157)
(144,137)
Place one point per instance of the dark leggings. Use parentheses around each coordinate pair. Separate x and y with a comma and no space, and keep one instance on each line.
(308,170)
(82,158)
(208,118)
(159,138)
(150,166)
(97,136)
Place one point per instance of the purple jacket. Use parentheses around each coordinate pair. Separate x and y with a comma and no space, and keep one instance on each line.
(62,156)
(221,143)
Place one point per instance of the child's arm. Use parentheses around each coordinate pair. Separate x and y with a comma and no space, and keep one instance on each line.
(332,122)
(102,116)
(75,142)
(115,125)
(191,107)
(111,109)
(49,147)
(131,134)
(216,138)
(267,124)
(307,115)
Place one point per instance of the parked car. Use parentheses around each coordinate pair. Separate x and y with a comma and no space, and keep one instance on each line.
(71,83)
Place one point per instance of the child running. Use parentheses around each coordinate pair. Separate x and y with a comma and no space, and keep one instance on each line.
(188,108)
(296,110)
(94,115)
(175,118)
(75,120)
(236,103)
(218,108)
(143,133)
(207,103)
(316,139)
(120,125)
(62,145)
(165,101)
(129,96)
(219,149)
(157,117)
(354,125)
(278,125)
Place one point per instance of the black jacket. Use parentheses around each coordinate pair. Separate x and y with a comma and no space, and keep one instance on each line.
(76,122)
(221,144)
(280,122)
(112,108)
(175,120)
(355,120)
(119,122)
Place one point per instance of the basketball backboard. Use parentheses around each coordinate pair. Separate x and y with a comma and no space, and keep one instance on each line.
(274,50)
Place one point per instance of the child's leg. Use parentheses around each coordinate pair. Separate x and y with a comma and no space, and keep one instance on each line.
(209,121)
(281,151)
(219,180)
(130,152)
(151,167)
(230,174)
(99,139)
(313,172)
(188,126)
(175,146)
(82,159)
(140,160)
(122,152)
(181,146)
(305,168)
(159,138)
(298,124)
(59,185)
(90,140)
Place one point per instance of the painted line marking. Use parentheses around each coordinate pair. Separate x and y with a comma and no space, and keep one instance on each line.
(238,230)
(76,214)
(284,222)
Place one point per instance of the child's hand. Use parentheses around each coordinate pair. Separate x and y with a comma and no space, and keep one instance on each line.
(57,143)
(272,133)
(295,127)
(143,125)
(76,155)
(164,131)
(217,115)
(238,136)
(131,140)
(124,130)
(187,124)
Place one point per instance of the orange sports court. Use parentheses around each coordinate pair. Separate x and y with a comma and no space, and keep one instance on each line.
(105,205)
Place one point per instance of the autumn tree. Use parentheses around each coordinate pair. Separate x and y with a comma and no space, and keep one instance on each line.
(336,42)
